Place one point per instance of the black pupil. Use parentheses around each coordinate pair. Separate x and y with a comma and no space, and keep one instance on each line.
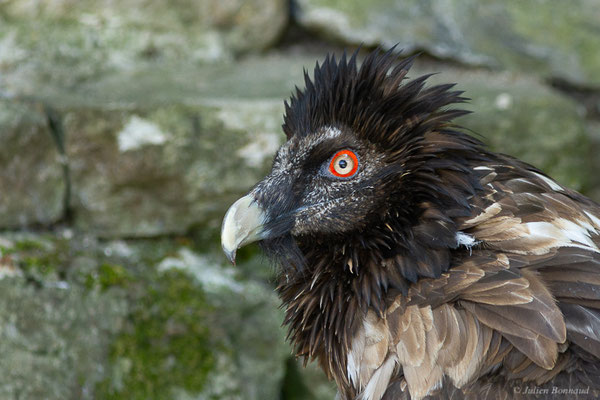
(343,164)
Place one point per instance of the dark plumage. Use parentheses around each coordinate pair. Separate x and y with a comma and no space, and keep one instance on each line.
(435,267)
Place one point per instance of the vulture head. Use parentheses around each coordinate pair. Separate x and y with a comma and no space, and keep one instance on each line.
(360,169)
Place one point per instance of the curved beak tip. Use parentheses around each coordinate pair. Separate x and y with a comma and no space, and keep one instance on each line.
(242,224)
(230,255)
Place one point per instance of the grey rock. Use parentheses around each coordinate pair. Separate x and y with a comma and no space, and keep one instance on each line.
(87,319)
(549,38)
(31,174)
(71,42)
(250,363)
(159,171)
(54,339)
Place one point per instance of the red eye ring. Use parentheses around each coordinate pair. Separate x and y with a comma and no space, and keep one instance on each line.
(343,164)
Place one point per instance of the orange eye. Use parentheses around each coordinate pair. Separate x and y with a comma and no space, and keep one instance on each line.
(343,164)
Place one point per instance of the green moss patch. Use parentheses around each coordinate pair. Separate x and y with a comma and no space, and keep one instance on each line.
(168,344)
(39,258)
(109,275)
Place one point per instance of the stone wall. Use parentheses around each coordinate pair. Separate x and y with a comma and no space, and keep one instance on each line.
(128,128)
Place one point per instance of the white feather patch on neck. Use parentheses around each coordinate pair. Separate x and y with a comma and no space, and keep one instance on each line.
(464,239)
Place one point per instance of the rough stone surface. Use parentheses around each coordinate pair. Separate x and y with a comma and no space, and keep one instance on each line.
(54,334)
(54,340)
(70,42)
(31,172)
(252,366)
(149,172)
(86,319)
(553,38)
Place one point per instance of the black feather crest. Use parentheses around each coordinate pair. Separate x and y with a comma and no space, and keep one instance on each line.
(372,100)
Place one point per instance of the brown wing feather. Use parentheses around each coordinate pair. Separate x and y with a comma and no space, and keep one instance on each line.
(555,232)
(522,305)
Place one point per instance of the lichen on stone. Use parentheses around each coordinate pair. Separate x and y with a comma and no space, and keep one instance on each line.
(167,343)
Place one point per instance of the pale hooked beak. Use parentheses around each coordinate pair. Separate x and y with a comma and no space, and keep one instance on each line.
(243,224)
